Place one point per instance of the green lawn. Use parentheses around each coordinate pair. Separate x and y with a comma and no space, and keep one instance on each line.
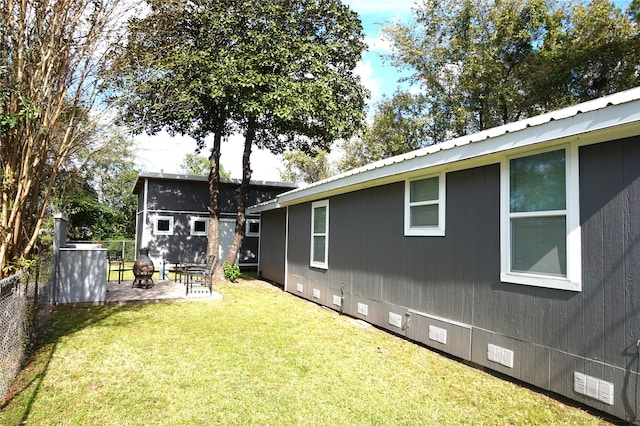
(259,356)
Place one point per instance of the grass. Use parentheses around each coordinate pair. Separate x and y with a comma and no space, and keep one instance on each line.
(127,275)
(258,357)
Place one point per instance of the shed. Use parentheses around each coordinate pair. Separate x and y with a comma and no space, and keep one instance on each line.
(172,218)
(516,248)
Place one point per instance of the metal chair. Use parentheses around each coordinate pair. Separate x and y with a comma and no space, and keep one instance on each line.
(199,275)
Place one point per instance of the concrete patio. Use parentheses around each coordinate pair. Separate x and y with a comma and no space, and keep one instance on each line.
(162,291)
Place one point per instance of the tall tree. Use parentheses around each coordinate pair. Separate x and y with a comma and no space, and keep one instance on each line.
(484,63)
(278,71)
(95,191)
(196,165)
(301,167)
(402,123)
(49,54)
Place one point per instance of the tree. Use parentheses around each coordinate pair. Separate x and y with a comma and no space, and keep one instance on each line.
(634,11)
(278,71)
(96,192)
(598,54)
(301,167)
(401,124)
(484,63)
(196,165)
(49,54)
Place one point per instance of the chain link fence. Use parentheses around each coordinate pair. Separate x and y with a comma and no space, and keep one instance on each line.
(121,249)
(26,299)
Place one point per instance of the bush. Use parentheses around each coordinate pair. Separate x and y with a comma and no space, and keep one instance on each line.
(231,272)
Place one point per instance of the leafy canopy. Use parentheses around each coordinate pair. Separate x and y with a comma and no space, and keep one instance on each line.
(207,66)
(480,64)
(299,167)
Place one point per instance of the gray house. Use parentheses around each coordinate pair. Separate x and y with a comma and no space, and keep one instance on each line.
(516,248)
(173,217)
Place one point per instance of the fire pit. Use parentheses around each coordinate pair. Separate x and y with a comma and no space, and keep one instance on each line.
(143,270)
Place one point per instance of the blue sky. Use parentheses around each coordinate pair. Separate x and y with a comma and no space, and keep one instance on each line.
(378,75)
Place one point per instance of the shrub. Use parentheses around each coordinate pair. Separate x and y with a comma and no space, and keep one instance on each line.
(231,272)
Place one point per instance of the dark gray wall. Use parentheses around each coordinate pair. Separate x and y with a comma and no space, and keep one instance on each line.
(371,256)
(452,282)
(272,245)
(177,195)
(181,247)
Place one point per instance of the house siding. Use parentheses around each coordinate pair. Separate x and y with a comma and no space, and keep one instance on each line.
(273,239)
(452,282)
(176,196)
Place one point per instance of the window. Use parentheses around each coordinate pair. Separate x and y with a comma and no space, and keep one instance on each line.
(541,230)
(163,225)
(253,228)
(424,206)
(199,226)
(320,234)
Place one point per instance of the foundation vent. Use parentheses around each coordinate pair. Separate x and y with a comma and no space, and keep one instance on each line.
(395,319)
(337,300)
(500,355)
(593,387)
(438,334)
(363,309)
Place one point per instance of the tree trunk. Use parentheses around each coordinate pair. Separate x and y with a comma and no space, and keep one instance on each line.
(213,235)
(238,235)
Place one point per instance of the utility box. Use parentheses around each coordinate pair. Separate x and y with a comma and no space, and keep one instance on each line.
(81,277)
(79,269)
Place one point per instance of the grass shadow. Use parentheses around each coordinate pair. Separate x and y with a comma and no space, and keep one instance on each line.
(65,320)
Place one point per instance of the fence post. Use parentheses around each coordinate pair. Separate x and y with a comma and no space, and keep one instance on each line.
(59,241)
(36,300)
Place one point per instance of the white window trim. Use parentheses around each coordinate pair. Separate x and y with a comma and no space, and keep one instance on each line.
(431,231)
(325,264)
(573,280)
(247,231)
(192,226)
(156,231)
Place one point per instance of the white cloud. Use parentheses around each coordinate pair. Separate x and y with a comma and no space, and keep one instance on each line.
(365,71)
(265,165)
(378,44)
(369,6)
(161,152)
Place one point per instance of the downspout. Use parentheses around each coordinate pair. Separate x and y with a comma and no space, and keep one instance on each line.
(144,240)
(259,245)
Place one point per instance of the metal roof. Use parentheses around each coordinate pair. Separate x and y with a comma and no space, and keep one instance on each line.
(189,178)
(615,115)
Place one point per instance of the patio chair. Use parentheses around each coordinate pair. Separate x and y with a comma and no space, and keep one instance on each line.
(178,269)
(116,264)
(199,275)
